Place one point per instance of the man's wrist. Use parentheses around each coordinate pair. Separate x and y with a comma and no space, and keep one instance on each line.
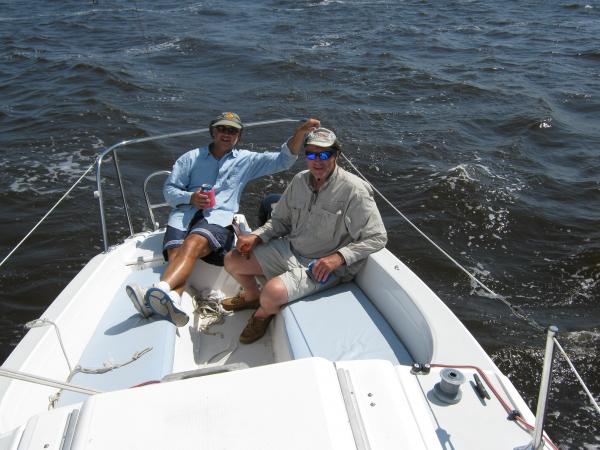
(342,259)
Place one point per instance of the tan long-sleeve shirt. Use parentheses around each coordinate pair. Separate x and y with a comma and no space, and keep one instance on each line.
(341,216)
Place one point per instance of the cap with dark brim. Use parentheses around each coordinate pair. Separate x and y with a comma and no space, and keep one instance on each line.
(228,119)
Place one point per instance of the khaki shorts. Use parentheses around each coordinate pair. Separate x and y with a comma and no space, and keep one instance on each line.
(276,258)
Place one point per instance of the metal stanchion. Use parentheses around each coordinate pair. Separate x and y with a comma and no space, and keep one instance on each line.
(538,432)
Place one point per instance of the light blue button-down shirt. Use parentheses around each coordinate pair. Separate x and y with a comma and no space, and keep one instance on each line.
(229,176)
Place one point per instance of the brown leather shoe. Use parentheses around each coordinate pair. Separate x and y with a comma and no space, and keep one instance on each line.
(255,329)
(237,303)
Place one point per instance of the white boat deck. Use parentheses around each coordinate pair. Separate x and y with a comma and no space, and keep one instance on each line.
(334,371)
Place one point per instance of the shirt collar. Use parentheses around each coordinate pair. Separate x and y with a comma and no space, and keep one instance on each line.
(204,153)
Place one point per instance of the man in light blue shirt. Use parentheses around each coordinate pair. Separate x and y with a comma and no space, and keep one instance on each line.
(200,223)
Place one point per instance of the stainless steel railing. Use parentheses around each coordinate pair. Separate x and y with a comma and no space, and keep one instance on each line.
(152,206)
(540,415)
(113,150)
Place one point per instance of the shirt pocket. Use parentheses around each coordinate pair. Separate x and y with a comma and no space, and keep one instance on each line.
(334,207)
(228,181)
(296,209)
(326,220)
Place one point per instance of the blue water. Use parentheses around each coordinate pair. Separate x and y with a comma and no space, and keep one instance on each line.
(478,119)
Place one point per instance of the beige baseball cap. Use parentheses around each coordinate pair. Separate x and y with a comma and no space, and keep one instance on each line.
(228,118)
(321,137)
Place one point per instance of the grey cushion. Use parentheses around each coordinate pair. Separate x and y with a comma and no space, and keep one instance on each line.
(341,324)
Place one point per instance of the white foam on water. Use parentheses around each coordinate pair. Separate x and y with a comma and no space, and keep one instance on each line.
(154,48)
(482,275)
(488,211)
(585,284)
(52,176)
(472,172)
(327,2)
(322,44)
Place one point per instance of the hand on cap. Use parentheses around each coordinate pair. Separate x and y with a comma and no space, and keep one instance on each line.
(296,141)
(310,125)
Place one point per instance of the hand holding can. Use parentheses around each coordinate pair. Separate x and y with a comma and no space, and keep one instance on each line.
(209,190)
(313,276)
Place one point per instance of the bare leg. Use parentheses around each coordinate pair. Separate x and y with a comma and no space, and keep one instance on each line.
(273,295)
(181,265)
(172,252)
(244,270)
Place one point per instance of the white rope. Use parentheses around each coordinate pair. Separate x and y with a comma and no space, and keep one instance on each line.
(207,305)
(585,388)
(108,365)
(515,309)
(210,311)
(47,214)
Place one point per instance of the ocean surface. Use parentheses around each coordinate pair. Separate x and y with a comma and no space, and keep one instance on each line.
(479,120)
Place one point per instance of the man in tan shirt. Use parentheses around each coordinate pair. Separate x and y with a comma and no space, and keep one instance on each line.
(326,219)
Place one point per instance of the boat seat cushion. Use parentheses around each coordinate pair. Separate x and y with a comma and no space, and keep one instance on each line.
(121,333)
(341,324)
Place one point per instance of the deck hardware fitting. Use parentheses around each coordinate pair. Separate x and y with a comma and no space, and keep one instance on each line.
(420,369)
(448,389)
(513,415)
(480,388)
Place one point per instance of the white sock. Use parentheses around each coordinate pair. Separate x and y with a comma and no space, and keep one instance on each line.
(175,297)
(163,286)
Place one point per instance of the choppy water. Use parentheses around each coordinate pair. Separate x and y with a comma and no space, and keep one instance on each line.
(478,119)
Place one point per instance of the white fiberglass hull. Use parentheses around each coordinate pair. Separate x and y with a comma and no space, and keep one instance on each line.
(342,383)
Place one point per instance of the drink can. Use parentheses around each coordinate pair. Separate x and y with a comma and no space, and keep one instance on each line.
(209,190)
(310,274)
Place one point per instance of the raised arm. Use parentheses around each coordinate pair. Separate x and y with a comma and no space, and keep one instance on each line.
(267,163)
(295,143)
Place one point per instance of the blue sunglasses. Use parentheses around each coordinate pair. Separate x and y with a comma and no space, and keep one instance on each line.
(323,156)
